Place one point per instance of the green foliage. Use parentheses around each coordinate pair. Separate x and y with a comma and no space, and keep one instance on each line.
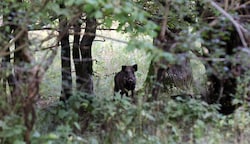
(12,129)
(110,121)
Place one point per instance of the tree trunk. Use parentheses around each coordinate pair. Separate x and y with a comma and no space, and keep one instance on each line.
(65,59)
(86,70)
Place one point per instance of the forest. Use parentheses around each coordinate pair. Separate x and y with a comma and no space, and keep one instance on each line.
(124,71)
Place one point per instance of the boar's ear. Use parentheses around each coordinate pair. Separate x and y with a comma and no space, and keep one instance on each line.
(135,67)
(123,67)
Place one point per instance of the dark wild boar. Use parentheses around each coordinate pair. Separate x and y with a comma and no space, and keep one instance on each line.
(125,80)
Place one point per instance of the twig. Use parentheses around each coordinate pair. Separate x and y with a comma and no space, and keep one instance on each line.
(50,47)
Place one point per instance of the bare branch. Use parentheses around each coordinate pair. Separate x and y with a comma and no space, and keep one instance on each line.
(236,25)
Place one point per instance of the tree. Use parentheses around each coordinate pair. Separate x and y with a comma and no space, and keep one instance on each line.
(24,74)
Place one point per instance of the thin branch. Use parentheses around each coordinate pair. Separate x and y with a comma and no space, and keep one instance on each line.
(2,54)
(54,29)
(50,47)
(236,25)
(113,39)
(15,39)
(101,36)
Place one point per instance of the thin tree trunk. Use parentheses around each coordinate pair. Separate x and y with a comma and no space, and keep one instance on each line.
(65,59)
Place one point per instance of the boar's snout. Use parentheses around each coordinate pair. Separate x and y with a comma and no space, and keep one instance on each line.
(131,81)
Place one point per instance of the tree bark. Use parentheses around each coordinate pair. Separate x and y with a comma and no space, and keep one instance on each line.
(66,91)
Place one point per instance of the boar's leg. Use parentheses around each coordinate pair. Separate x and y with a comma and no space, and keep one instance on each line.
(132,94)
(124,91)
(116,89)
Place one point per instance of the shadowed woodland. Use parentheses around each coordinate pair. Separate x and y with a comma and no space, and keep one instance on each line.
(124,71)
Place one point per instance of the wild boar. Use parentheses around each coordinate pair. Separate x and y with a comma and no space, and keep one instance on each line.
(125,80)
